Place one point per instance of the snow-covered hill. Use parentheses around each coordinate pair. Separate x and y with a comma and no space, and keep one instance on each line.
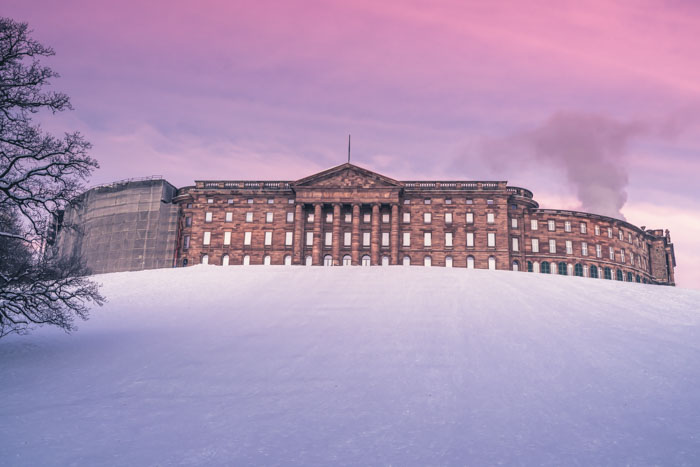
(359,366)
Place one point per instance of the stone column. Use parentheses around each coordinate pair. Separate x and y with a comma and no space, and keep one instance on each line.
(375,240)
(394,234)
(355,234)
(298,257)
(336,235)
(317,249)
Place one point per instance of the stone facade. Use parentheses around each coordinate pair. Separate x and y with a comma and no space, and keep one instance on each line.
(348,215)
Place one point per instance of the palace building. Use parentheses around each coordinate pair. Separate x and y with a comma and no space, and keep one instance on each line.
(350,216)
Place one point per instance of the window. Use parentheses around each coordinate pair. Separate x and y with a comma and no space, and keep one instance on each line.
(533,224)
(385,218)
(385,261)
(268,238)
(290,216)
(544,267)
(367,218)
(309,238)
(448,218)
(550,225)
(470,238)
(470,262)
(229,217)
(348,217)
(448,239)
(267,260)
(596,229)
(562,269)
(629,277)
(385,238)
(290,201)
(427,218)
(247,237)
(365,238)
(469,201)
(407,201)
(210,200)
(629,237)
(492,263)
(329,217)
(208,216)
(578,270)
(186,242)
(583,227)
(366,260)
(268,217)
(535,245)
(189,205)
(230,201)
(406,217)
(607,273)
(631,257)
(205,259)
(567,226)
(515,244)
(448,261)
(288,260)
(227,238)
(308,261)
(249,217)
(491,239)
(427,261)
(347,238)
(406,239)
(250,201)
(612,254)
(516,266)
(584,249)
(347,260)
(207,238)
(619,276)
(598,251)
(270,201)
(288,238)
(530,267)
(569,247)
(428,239)
(246,260)
(552,246)
(609,232)
(514,223)
(489,202)
(490,218)
(310,217)
(448,200)
(188,221)
(619,234)
(328,260)
(406,261)
(224,260)
(470,218)
(328,239)
(426,201)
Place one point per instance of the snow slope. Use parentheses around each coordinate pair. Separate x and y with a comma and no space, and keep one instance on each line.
(359,366)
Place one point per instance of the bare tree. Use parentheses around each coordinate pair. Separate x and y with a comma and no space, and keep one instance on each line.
(39,175)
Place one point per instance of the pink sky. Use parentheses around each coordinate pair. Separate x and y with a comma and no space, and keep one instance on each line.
(591,105)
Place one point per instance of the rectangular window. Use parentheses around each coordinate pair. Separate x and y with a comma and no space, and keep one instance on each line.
(249,217)
(514,223)
(365,238)
(385,218)
(567,226)
(619,234)
(186,242)
(552,246)
(426,201)
(448,218)
(268,217)
(406,239)
(348,217)
(247,236)
(229,217)
(329,239)
(612,254)
(490,218)
(329,217)
(622,255)
(551,225)
(270,201)
(535,245)
(207,238)
(289,238)
(407,201)
(583,227)
(290,201)
(470,238)
(596,230)
(406,217)
(569,247)
(598,251)
(208,216)
(347,238)
(448,239)
(584,249)
(428,239)
(469,201)
(609,232)
(515,243)
(427,218)
(470,218)
(188,221)
(490,239)
(385,238)
(230,201)
(629,238)
(290,216)
(367,218)
(489,201)
(309,238)
(227,238)
(250,200)
(310,217)
(268,238)
(210,200)
(533,224)
(448,200)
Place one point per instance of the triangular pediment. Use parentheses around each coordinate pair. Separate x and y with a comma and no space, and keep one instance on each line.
(345,176)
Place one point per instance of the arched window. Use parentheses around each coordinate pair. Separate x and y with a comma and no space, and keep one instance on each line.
(366,261)
(492,263)
(618,275)
(639,279)
(516,266)
(562,269)
(406,260)
(224,260)
(427,261)
(184,263)
(594,272)
(629,277)
(205,259)
(246,260)
(267,260)
(644,280)
(529,266)
(578,270)
(470,262)
(448,261)
(544,268)
(308,261)
(607,273)
(328,260)
(385,261)
(287,260)
(347,260)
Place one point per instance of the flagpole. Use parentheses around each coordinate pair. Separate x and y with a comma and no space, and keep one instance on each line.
(348,149)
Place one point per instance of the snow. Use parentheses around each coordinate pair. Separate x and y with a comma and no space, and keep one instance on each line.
(359,366)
